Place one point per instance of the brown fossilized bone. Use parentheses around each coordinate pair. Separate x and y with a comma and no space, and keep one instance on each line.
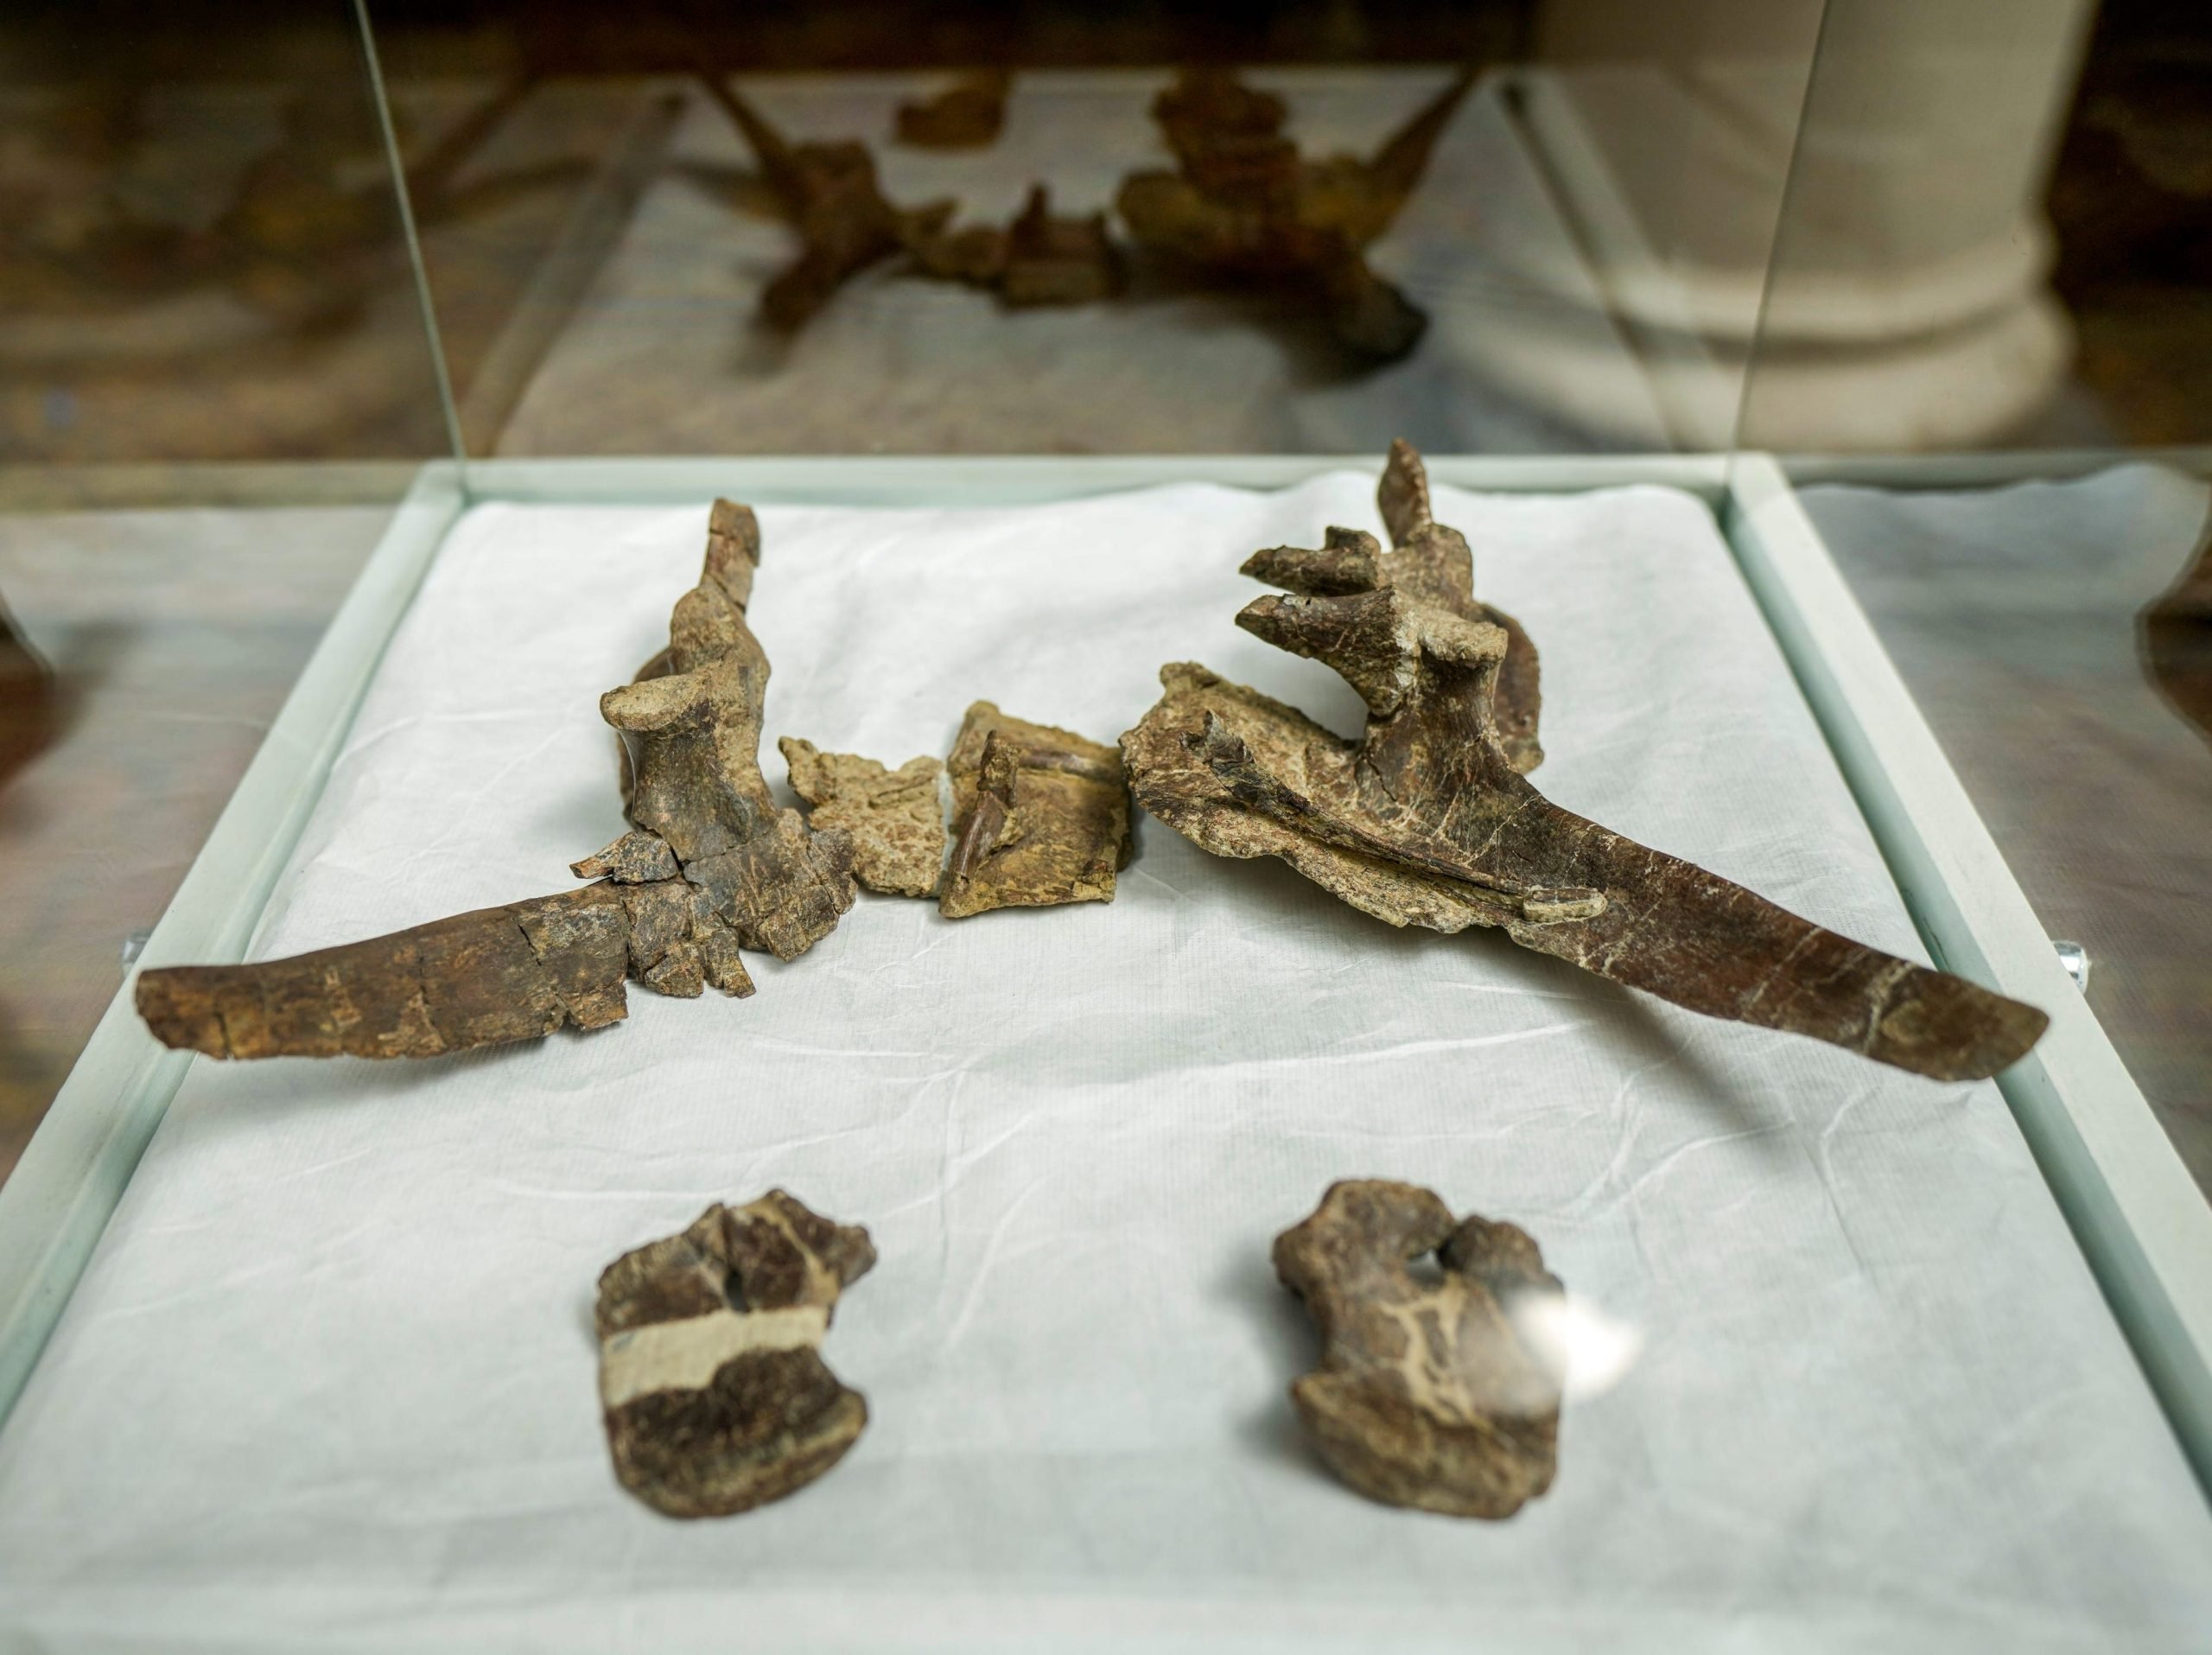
(710,1373)
(1429,1392)
(1245,208)
(1037,816)
(1426,819)
(1039,259)
(966,115)
(829,195)
(691,724)
(712,865)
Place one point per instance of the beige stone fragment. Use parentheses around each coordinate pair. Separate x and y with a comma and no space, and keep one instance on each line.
(895,817)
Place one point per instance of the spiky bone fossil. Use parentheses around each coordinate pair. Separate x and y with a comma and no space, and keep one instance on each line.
(1427,819)
(711,865)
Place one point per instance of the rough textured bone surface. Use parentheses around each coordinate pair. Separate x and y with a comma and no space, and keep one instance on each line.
(691,724)
(1426,819)
(716,1396)
(475,979)
(1245,209)
(895,819)
(1429,1393)
(1040,816)
(711,865)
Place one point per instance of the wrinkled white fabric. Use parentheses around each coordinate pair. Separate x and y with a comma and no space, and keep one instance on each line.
(330,1380)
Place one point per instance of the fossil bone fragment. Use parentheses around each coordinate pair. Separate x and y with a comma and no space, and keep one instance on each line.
(830,194)
(1039,816)
(966,115)
(711,865)
(895,819)
(501,974)
(1245,209)
(1426,819)
(690,725)
(1428,1394)
(710,1371)
(1039,259)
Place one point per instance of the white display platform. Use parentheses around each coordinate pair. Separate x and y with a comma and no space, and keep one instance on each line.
(328,1379)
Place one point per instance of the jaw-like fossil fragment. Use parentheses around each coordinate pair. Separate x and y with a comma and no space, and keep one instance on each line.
(1428,1393)
(1426,819)
(1039,816)
(710,1370)
(712,865)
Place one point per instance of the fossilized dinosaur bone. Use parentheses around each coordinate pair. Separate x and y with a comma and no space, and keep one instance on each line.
(1429,1392)
(1038,816)
(712,865)
(1243,207)
(1426,819)
(830,194)
(1041,257)
(716,1396)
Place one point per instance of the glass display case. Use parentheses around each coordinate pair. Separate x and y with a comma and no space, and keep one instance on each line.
(1259,1154)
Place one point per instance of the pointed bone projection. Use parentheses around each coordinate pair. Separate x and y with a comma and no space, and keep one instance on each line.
(829,195)
(712,865)
(1426,819)
(1039,816)
(1429,1392)
(710,1373)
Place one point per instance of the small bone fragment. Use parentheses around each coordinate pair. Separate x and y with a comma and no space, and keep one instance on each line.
(1040,816)
(501,974)
(634,859)
(966,115)
(691,726)
(710,1373)
(1040,258)
(1426,819)
(829,195)
(1426,1395)
(894,817)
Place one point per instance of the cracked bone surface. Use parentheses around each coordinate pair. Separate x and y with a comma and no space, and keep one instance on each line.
(712,865)
(1039,816)
(716,1396)
(1426,818)
(1428,1394)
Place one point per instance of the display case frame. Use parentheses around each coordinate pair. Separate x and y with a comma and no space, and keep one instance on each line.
(2139,1218)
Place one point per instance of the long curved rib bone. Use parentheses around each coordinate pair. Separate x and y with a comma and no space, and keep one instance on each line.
(1427,820)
